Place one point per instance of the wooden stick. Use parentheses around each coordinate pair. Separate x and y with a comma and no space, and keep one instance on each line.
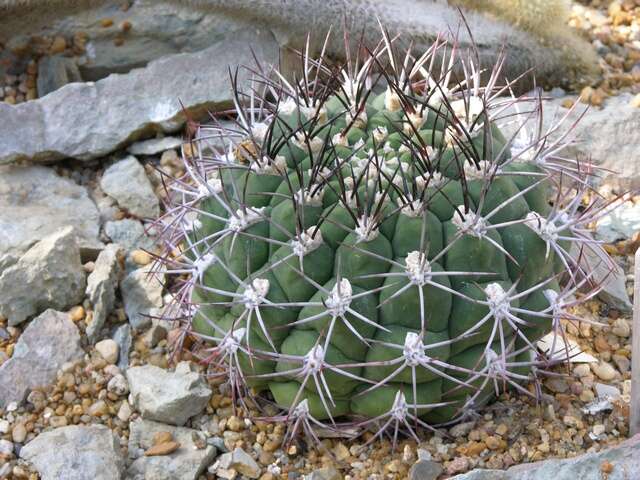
(634,423)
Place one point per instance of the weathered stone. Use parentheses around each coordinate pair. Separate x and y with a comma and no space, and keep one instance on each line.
(608,137)
(122,337)
(327,473)
(141,293)
(90,120)
(185,463)
(47,343)
(35,202)
(169,397)
(55,71)
(623,457)
(48,275)
(425,470)
(241,462)
(101,287)
(126,182)
(154,146)
(108,349)
(129,233)
(76,453)
(621,224)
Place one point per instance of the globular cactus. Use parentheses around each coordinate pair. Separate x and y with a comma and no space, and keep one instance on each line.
(366,247)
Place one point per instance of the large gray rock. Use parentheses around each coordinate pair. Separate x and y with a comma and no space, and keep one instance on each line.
(186,463)
(48,275)
(35,202)
(90,120)
(169,397)
(126,182)
(49,341)
(76,453)
(608,137)
(620,224)
(154,146)
(623,458)
(129,233)
(101,287)
(142,295)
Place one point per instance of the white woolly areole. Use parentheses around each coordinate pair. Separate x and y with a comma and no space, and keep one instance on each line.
(380,133)
(479,172)
(412,209)
(392,100)
(360,120)
(305,242)
(387,147)
(358,144)
(418,268)
(400,408)
(413,350)
(469,222)
(340,140)
(300,141)
(555,302)
(255,293)
(190,221)
(266,166)
(545,229)
(308,198)
(201,264)
(366,229)
(467,108)
(259,131)
(435,179)
(231,343)
(301,410)
(339,298)
(245,218)
(498,300)
(208,188)
(416,119)
(313,361)
(495,364)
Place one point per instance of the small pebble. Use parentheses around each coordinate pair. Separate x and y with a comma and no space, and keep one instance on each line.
(108,349)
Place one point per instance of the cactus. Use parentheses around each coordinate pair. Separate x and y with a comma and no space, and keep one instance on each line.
(365,246)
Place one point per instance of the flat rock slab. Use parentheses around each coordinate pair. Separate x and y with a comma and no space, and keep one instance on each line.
(168,397)
(101,286)
(624,460)
(90,120)
(49,341)
(76,453)
(142,296)
(186,463)
(48,275)
(35,202)
(126,182)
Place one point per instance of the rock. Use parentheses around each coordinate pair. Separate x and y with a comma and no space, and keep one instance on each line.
(19,433)
(90,120)
(606,273)
(35,202)
(609,137)
(621,224)
(327,473)
(164,448)
(154,146)
(118,385)
(241,462)
(108,349)
(49,341)
(461,429)
(129,233)
(606,392)
(170,397)
(141,293)
(101,287)
(126,182)
(48,275)
(76,453)
(604,371)
(623,457)
(122,337)
(185,463)
(425,470)
(124,412)
(56,71)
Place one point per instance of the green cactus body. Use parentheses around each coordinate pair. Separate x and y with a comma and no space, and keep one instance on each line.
(401,262)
